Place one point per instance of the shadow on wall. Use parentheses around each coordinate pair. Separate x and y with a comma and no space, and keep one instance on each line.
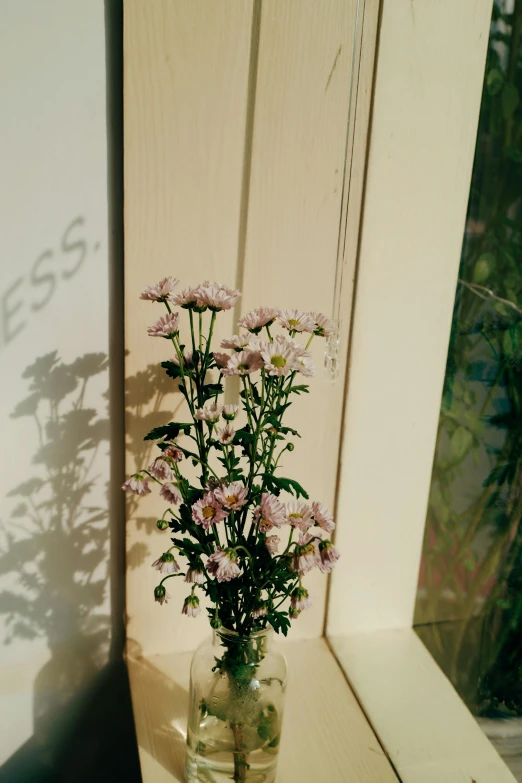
(55,546)
(55,576)
(145,393)
(54,559)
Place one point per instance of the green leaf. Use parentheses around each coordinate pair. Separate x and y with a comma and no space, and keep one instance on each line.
(460,443)
(289,430)
(172,369)
(299,389)
(509,342)
(287,485)
(211,390)
(497,476)
(494,81)
(483,268)
(169,431)
(255,395)
(510,100)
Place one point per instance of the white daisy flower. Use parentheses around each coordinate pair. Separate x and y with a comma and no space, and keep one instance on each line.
(211,411)
(278,358)
(296,321)
(256,319)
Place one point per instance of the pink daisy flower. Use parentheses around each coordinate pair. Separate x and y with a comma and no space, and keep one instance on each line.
(306,554)
(256,319)
(243,363)
(300,599)
(171,493)
(226,434)
(323,517)
(223,564)
(296,321)
(270,512)
(217,296)
(324,327)
(173,452)
(191,606)
(161,469)
(230,412)
(221,359)
(293,343)
(329,555)
(166,326)
(195,576)
(306,365)
(260,611)
(278,358)
(272,544)
(211,411)
(208,511)
(232,496)
(299,515)
(188,357)
(238,342)
(166,564)
(161,292)
(185,298)
(161,595)
(136,484)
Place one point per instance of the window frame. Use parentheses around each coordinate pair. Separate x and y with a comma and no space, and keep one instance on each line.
(426,102)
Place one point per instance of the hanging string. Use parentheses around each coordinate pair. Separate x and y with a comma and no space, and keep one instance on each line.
(332,357)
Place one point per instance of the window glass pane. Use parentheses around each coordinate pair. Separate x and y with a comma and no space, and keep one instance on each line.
(469,605)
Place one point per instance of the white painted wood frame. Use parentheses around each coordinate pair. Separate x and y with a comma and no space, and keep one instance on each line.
(427,96)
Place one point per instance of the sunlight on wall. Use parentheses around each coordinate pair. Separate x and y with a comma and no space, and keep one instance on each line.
(54,605)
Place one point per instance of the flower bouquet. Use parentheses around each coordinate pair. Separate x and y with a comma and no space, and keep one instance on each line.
(245,534)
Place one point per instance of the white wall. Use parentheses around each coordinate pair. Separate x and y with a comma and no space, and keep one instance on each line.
(54,607)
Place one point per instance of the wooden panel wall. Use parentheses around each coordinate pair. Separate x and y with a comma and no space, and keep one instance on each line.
(235,137)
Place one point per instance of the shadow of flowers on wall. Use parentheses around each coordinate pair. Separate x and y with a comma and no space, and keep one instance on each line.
(54,548)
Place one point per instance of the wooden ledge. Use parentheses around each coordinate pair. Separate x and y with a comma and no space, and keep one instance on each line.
(326,736)
(428,732)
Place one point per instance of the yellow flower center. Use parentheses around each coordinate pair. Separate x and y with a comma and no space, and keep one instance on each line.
(278,361)
(208,512)
(231,499)
(243,367)
(295,515)
(293,322)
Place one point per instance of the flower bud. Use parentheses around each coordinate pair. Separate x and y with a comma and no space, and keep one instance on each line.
(215,623)
(191,606)
(161,595)
(162,524)
(290,447)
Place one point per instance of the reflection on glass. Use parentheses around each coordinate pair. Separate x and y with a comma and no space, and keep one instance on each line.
(469,606)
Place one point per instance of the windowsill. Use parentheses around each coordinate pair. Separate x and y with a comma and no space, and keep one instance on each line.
(325,733)
(427,731)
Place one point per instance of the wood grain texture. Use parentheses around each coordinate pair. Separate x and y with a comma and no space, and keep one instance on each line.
(186,76)
(427,731)
(425,113)
(236,173)
(325,733)
(298,161)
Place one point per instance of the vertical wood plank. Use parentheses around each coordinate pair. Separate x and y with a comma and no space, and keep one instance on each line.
(186,74)
(298,160)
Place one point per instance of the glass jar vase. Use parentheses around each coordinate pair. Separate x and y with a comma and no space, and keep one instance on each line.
(237,691)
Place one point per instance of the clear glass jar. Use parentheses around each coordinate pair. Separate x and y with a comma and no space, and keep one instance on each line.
(237,691)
